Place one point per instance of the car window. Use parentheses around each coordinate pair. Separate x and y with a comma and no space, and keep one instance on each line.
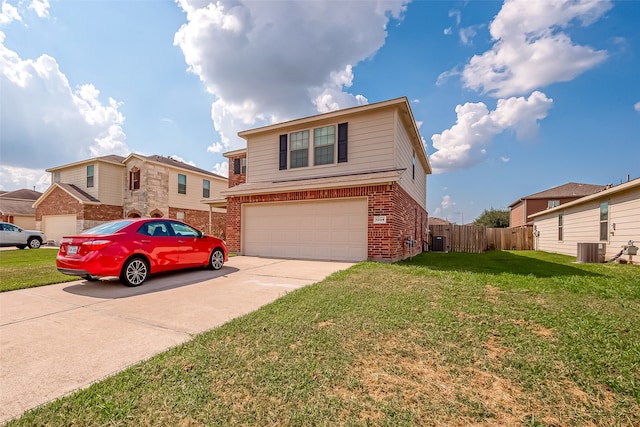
(184,230)
(10,227)
(108,227)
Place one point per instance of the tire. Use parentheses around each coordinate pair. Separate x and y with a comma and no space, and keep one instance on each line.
(134,272)
(34,243)
(216,260)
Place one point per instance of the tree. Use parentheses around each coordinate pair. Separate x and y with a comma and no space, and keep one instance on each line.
(493,218)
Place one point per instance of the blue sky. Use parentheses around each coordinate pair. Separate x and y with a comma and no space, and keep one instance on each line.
(511,97)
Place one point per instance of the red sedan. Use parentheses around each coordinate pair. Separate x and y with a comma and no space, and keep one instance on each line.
(133,249)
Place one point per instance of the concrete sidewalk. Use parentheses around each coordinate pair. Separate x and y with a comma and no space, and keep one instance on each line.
(59,338)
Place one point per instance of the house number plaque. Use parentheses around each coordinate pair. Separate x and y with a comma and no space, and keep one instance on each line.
(380,219)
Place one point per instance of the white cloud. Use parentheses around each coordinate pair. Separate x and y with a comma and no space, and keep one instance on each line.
(41,7)
(448,31)
(505,159)
(272,61)
(530,50)
(468,33)
(44,116)
(9,13)
(12,178)
(454,13)
(636,106)
(221,169)
(465,144)
(446,202)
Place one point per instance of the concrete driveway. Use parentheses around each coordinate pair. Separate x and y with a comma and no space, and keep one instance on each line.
(59,338)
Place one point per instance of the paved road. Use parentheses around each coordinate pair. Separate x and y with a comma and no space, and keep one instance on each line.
(59,338)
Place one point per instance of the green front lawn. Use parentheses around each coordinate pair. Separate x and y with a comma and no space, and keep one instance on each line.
(499,339)
(28,268)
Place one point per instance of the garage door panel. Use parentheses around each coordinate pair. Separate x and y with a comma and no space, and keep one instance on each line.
(331,230)
(57,226)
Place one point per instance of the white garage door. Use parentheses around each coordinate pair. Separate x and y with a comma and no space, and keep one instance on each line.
(56,226)
(326,230)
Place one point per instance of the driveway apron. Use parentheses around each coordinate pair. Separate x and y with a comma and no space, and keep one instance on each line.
(60,338)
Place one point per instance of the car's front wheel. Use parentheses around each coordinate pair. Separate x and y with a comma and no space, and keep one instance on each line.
(216,260)
(134,272)
(34,242)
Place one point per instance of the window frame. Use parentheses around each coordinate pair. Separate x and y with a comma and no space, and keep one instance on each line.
(206,188)
(324,145)
(552,203)
(311,158)
(560,226)
(243,166)
(134,179)
(182,187)
(91,170)
(301,161)
(604,221)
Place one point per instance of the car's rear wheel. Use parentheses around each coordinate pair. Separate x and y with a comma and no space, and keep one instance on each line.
(134,272)
(216,260)
(34,242)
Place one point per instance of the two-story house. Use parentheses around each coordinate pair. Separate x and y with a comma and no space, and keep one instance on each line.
(86,193)
(345,185)
(523,208)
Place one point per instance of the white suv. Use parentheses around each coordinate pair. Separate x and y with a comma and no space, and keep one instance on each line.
(12,235)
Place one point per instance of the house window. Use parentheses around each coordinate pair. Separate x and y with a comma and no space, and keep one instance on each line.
(206,188)
(295,147)
(56,177)
(324,141)
(240,166)
(134,179)
(299,145)
(89,176)
(560,227)
(552,203)
(182,184)
(413,165)
(604,221)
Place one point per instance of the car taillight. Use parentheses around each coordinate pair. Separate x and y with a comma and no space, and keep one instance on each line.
(95,245)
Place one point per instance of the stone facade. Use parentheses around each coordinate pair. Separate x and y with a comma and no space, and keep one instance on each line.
(406,220)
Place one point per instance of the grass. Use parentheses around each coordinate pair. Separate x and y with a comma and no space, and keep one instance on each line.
(29,268)
(497,339)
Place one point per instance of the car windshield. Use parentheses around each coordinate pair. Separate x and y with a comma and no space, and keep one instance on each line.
(108,227)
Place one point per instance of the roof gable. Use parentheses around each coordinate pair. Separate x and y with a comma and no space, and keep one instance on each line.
(565,191)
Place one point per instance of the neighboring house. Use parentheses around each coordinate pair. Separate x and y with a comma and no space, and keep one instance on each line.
(610,217)
(523,208)
(86,193)
(345,185)
(17,208)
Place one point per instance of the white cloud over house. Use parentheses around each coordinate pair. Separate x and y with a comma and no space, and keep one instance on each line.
(271,61)
(465,144)
(531,49)
(44,116)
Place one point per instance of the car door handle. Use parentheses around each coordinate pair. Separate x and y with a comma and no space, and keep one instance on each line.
(181,241)
(145,241)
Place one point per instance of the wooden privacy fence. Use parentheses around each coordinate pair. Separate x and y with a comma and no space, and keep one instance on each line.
(474,239)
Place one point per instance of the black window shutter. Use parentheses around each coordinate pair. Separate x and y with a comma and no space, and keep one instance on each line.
(283,152)
(236,166)
(342,142)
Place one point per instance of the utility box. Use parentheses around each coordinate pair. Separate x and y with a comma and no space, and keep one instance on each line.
(591,252)
(630,249)
(439,244)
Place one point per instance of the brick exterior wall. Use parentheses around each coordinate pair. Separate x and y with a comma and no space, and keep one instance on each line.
(236,179)
(386,242)
(200,220)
